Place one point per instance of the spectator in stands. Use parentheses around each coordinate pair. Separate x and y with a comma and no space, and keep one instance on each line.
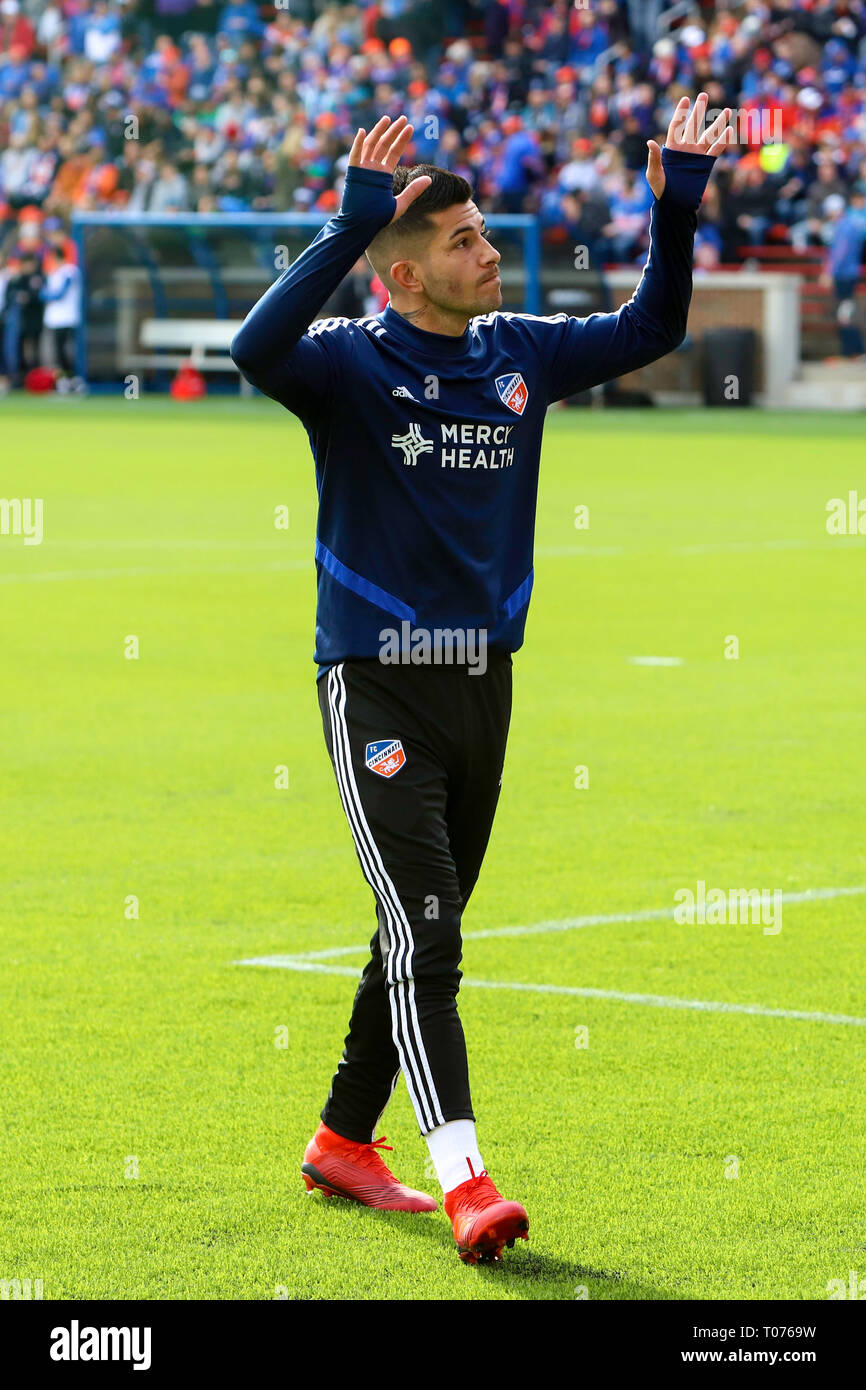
(264,186)
(101,33)
(43,167)
(353,297)
(169,192)
(581,174)
(16,30)
(584,216)
(580,203)
(521,164)
(200,186)
(627,229)
(827,183)
(793,183)
(208,145)
(16,162)
(497,22)
(27,238)
(709,238)
(144,174)
(173,16)
(643,16)
(70,176)
(544,105)
(240,19)
(748,207)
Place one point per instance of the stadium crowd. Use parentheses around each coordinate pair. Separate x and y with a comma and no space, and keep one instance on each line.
(544,105)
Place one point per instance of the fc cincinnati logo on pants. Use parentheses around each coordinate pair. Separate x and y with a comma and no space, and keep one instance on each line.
(386,756)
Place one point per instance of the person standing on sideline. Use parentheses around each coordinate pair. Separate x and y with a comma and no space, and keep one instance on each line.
(24,298)
(844,266)
(62,299)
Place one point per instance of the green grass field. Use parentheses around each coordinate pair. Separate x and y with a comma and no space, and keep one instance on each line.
(139,1045)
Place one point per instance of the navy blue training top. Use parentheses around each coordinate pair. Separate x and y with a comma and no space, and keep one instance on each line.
(427,446)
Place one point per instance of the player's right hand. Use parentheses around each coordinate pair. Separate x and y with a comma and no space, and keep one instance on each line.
(381,150)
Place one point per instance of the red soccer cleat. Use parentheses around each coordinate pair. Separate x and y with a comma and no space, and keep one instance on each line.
(339,1167)
(483,1221)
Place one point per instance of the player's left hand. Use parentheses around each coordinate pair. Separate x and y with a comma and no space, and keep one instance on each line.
(683,135)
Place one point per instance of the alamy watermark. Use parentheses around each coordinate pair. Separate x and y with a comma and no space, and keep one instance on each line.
(855,1288)
(22,516)
(77,1343)
(846,516)
(719,907)
(436,646)
(15,1290)
(750,126)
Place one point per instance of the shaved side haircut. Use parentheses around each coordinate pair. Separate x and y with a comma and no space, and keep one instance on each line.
(402,239)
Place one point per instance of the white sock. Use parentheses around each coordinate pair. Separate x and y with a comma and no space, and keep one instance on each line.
(454,1151)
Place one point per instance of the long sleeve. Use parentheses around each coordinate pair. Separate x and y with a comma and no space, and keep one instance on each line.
(580,353)
(60,287)
(270,348)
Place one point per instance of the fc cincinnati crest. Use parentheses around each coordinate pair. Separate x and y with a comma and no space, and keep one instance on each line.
(512,391)
(386,756)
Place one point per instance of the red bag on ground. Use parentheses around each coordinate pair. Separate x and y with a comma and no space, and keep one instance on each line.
(39,379)
(188,385)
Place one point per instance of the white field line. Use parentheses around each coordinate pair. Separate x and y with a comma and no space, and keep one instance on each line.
(150,571)
(658,1001)
(312,961)
(719,547)
(705,548)
(597,919)
(826,542)
(140,571)
(168,543)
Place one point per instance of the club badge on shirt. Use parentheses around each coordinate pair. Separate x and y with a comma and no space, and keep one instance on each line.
(385,756)
(512,391)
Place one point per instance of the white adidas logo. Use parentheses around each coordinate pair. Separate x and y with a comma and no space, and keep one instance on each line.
(403,391)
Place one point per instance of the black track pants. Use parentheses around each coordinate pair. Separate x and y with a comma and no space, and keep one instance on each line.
(420,824)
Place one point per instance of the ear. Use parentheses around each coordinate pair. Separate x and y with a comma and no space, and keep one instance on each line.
(403,275)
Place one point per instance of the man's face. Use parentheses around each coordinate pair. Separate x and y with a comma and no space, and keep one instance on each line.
(458,267)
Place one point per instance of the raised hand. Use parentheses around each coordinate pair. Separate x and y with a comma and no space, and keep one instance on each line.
(382,150)
(683,135)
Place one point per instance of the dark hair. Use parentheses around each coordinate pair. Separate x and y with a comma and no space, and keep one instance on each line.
(445,190)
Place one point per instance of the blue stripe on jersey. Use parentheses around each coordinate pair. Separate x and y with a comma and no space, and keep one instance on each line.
(359,585)
(515,601)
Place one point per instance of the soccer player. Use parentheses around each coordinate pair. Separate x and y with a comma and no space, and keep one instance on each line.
(425,423)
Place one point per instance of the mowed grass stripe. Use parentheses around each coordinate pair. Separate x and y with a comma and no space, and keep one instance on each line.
(135,1037)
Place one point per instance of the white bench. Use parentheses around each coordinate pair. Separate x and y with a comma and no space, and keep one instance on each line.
(201,343)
